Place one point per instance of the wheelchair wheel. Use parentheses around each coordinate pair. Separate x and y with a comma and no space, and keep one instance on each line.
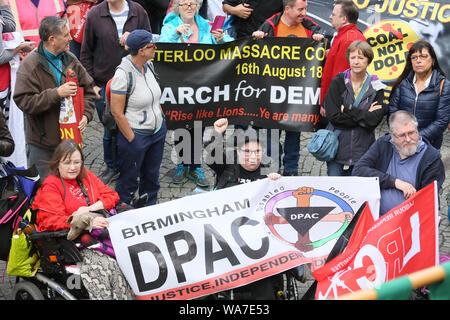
(26,290)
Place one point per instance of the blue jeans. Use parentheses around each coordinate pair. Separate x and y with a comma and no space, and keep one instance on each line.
(337,170)
(140,159)
(291,150)
(109,143)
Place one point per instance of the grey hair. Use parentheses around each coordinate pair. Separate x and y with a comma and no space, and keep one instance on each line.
(176,6)
(51,26)
(403,117)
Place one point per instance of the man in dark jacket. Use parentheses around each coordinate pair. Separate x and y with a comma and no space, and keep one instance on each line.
(291,22)
(107,27)
(402,160)
(250,14)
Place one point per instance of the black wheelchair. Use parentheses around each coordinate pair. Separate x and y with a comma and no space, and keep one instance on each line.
(58,277)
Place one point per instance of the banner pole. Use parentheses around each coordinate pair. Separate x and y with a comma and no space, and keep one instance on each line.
(427,276)
(367,294)
(418,279)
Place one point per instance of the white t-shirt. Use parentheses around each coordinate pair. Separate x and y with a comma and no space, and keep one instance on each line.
(120,18)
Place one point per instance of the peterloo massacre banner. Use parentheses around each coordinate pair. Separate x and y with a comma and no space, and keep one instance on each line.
(269,83)
(215,241)
(275,82)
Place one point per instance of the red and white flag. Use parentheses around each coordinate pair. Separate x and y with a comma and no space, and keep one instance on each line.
(402,241)
(71,112)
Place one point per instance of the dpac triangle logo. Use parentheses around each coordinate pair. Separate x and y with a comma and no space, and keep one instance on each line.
(303,209)
(35,2)
(304,218)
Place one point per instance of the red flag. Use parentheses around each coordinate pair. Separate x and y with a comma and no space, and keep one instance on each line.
(71,112)
(76,14)
(402,241)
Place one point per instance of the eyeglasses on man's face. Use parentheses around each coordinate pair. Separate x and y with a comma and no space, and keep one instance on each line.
(411,134)
(248,152)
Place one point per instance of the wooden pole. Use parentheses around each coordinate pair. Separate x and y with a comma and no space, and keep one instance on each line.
(418,279)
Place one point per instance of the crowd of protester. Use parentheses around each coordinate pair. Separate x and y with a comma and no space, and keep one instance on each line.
(118,40)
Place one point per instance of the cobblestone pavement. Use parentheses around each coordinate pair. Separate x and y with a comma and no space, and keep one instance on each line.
(308,165)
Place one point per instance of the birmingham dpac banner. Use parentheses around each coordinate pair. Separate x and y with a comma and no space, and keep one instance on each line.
(211,242)
(269,83)
(402,241)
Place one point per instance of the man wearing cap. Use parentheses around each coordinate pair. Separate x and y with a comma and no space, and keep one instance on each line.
(138,114)
(107,26)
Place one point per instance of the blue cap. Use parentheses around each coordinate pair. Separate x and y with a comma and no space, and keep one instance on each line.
(138,39)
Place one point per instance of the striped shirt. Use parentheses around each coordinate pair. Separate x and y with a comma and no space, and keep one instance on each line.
(120,18)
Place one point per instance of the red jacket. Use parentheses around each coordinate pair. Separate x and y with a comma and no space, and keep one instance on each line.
(336,61)
(54,207)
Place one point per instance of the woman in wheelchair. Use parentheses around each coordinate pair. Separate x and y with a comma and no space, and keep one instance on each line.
(69,188)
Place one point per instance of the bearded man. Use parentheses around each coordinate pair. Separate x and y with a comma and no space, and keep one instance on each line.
(403,161)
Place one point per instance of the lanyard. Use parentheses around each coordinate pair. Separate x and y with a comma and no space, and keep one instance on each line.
(57,69)
(83,190)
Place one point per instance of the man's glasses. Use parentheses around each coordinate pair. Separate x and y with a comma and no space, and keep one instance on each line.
(248,152)
(403,136)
